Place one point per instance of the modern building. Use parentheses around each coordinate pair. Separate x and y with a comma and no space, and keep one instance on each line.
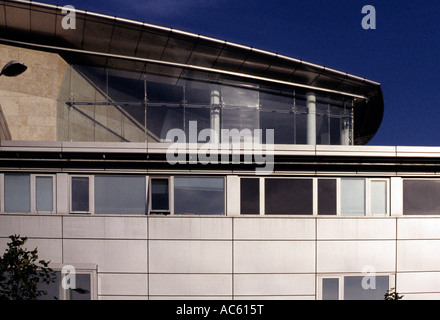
(161,164)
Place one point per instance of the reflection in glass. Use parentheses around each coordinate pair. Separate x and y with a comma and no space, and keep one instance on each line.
(421,197)
(120,195)
(361,288)
(199,195)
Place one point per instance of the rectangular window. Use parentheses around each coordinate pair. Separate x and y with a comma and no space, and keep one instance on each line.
(379,197)
(330,289)
(199,195)
(327,196)
(120,194)
(160,202)
(44,193)
(83,290)
(421,197)
(80,197)
(362,288)
(289,196)
(17,192)
(249,196)
(352,197)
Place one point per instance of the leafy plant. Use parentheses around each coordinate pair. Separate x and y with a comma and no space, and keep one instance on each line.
(393,295)
(21,272)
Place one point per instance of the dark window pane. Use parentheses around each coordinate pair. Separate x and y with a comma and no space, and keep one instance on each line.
(250,196)
(52,289)
(203,196)
(421,197)
(80,194)
(330,289)
(159,195)
(82,288)
(120,195)
(365,288)
(17,193)
(289,196)
(327,196)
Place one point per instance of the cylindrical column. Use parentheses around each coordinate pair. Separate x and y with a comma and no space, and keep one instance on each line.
(311,118)
(215,115)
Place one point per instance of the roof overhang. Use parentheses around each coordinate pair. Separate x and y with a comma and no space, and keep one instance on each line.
(107,41)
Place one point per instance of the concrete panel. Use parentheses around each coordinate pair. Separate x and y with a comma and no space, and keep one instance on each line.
(274,256)
(190,256)
(356,229)
(95,226)
(418,228)
(190,284)
(354,256)
(258,228)
(274,284)
(418,282)
(190,228)
(123,284)
(48,249)
(109,255)
(30,226)
(418,255)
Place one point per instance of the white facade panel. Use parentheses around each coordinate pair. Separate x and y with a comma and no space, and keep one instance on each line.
(94,226)
(356,256)
(190,228)
(274,284)
(251,228)
(190,256)
(418,255)
(274,256)
(28,225)
(123,284)
(419,228)
(357,229)
(418,282)
(109,255)
(190,284)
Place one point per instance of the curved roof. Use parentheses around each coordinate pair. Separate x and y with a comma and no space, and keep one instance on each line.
(110,41)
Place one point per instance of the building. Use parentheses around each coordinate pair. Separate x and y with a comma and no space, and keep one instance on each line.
(161,164)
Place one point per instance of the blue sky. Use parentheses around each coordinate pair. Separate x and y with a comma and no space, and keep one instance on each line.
(402,53)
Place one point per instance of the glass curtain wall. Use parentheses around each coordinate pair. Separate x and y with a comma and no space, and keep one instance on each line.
(98,104)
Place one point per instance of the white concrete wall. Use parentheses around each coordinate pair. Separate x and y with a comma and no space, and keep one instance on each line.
(148,257)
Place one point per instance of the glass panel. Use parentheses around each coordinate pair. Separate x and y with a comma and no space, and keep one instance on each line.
(379,197)
(17,193)
(44,193)
(327,196)
(421,197)
(80,194)
(82,290)
(53,289)
(330,289)
(120,195)
(353,197)
(250,196)
(361,288)
(289,196)
(204,196)
(159,195)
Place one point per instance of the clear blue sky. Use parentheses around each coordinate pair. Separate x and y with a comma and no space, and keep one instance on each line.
(402,53)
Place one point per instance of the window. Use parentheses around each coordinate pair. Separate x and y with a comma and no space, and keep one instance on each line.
(80,194)
(28,193)
(327,204)
(160,202)
(421,197)
(199,195)
(250,196)
(379,197)
(352,197)
(368,287)
(120,194)
(17,192)
(289,196)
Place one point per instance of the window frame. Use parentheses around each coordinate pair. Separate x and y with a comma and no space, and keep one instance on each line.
(170,196)
(341,282)
(367,195)
(91,193)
